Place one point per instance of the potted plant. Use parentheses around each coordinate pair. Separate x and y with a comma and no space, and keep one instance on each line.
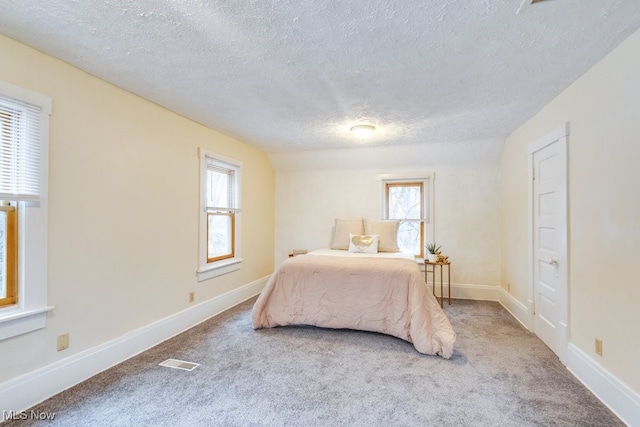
(433,250)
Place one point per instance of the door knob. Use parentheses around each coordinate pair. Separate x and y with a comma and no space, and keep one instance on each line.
(554,262)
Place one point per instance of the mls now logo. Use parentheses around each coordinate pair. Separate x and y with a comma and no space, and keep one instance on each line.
(27,415)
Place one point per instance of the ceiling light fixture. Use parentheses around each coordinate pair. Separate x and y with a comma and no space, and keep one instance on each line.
(363,131)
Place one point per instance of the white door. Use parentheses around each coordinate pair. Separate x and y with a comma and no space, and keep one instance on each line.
(549,236)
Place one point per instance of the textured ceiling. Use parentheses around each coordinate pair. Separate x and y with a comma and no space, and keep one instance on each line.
(288,75)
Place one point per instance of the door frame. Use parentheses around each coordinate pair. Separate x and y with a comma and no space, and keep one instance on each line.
(560,136)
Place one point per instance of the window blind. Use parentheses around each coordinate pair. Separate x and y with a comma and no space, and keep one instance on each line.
(221,179)
(20,136)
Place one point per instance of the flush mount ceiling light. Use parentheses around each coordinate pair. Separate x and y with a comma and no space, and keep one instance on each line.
(363,131)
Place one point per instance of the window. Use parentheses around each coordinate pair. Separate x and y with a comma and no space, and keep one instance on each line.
(220,218)
(221,210)
(405,199)
(24,128)
(8,254)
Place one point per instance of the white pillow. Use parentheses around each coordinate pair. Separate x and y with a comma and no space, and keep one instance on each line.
(342,230)
(387,229)
(363,243)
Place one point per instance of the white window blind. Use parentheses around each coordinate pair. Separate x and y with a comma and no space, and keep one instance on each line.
(20,136)
(221,191)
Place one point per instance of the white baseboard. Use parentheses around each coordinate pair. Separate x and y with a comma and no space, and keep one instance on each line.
(465,291)
(517,309)
(27,390)
(623,401)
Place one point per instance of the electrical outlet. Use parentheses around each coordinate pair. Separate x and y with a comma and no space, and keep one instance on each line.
(192,296)
(598,347)
(63,341)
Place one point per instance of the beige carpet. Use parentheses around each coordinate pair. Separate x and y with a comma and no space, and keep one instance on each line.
(500,375)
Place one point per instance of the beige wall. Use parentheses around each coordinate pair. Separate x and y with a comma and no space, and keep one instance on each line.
(123,210)
(603,109)
(313,188)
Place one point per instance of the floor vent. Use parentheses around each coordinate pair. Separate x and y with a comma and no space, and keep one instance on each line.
(179,364)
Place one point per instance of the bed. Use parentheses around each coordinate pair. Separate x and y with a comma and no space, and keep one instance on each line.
(381,291)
